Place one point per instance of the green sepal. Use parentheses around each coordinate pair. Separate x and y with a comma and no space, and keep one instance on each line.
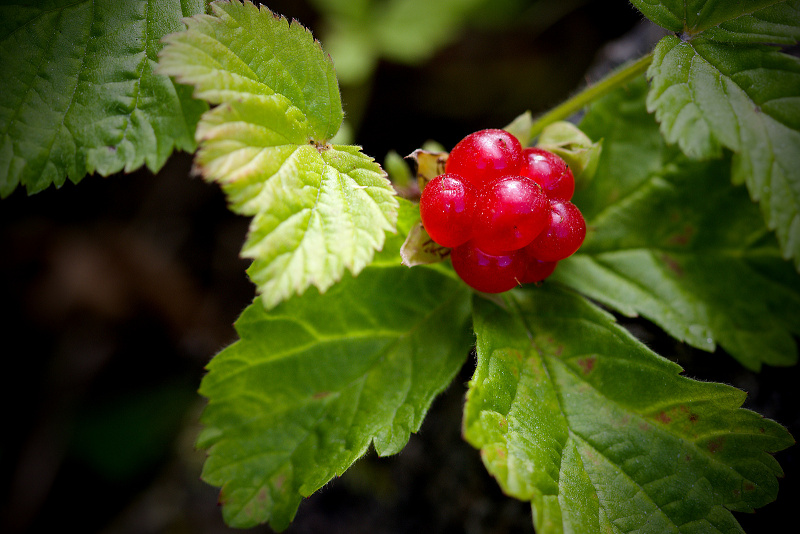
(568,141)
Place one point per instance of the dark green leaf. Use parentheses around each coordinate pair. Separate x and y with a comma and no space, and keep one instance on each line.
(359,33)
(741,20)
(674,241)
(79,92)
(602,435)
(779,24)
(709,96)
(314,381)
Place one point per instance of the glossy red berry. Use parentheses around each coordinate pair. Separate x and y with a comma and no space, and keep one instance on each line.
(550,171)
(447,209)
(537,270)
(484,156)
(504,212)
(564,233)
(512,211)
(490,273)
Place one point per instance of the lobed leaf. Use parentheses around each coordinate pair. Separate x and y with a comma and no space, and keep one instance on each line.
(572,413)
(80,94)
(313,382)
(743,21)
(745,98)
(778,23)
(318,209)
(674,241)
(242,50)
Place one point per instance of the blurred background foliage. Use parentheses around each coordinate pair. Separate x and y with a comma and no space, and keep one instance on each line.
(116,292)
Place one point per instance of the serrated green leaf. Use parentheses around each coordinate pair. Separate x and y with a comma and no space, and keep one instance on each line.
(243,51)
(312,383)
(779,24)
(79,92)
(634,149)
(737,20)
(674,241)
(318,209)
(602,435)
(709,96)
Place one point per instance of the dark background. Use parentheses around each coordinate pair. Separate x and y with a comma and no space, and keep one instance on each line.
(116,292)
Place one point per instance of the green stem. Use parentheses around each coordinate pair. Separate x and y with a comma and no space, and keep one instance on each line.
(566,109)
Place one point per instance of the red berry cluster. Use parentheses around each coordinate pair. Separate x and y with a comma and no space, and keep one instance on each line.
(505,211)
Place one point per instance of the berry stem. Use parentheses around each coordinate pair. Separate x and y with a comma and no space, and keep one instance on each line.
(615,79)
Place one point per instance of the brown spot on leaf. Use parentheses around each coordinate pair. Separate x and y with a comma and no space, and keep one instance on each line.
(587,364)
(320,394)
(749,486)
(682,238)
(321,146)
(663,418)
(503,423)
(715,445)
(693,417)
(672,264)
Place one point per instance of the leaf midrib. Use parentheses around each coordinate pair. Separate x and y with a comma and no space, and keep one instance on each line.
(393,338)
(690,443)
(695,32)
(358,380)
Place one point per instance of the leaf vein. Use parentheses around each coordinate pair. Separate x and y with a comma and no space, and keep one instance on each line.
(140,67)
(698,450)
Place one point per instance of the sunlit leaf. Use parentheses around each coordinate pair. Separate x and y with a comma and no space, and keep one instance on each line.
(318,209)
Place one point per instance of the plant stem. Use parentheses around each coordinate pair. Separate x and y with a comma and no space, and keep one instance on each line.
(591,93)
